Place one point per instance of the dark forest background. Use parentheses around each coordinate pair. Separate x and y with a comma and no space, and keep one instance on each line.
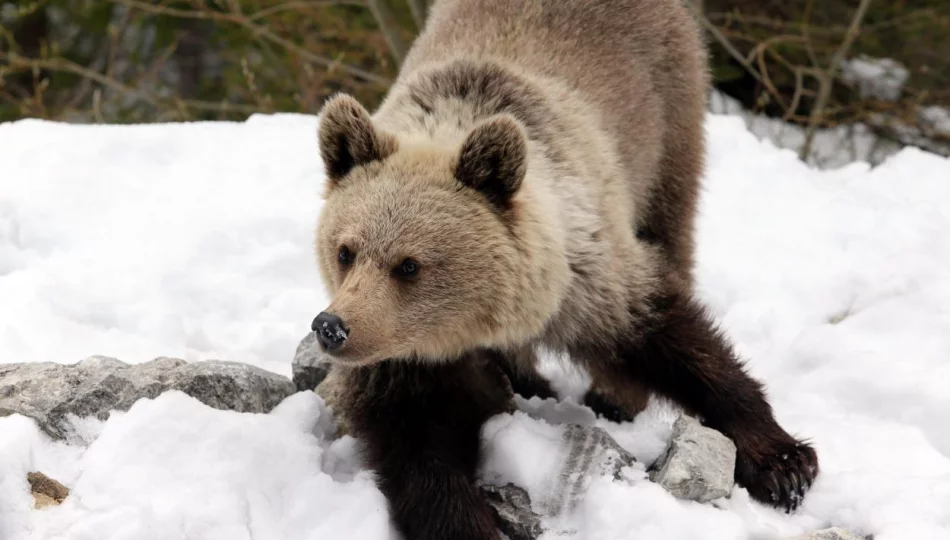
(813,64)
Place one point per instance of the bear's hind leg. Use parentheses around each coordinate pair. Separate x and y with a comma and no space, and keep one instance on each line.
(521,368)
(421,430)
(678,352)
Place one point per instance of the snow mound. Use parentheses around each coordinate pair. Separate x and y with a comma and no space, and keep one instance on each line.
(194,240)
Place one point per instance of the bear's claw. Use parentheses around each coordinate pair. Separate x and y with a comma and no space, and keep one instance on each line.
(778,473)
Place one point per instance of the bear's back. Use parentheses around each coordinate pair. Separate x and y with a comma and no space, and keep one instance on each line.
(639,68)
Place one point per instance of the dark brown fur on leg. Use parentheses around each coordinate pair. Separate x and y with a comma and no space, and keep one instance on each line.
(521,369)
(420,425)
(616,402)
(604,407)
(681,355)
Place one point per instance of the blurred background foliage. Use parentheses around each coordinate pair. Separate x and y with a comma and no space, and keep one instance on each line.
(815,64)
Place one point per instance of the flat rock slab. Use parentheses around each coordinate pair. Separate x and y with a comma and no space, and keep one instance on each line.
(49,393)
(699,465)
(588,452)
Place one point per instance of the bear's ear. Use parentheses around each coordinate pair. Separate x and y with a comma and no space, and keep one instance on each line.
(348,137)
(494,159)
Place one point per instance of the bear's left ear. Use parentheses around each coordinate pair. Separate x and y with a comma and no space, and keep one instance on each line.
(494,159)
(348,137)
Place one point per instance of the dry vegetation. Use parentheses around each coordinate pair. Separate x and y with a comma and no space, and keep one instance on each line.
(146,61)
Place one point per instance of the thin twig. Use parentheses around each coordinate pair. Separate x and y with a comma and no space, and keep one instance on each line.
(60,64)
(826,81)
(390,30)
(806,33)
(418,10)
(304,4)
(727,45)
(259,31)
(797,96)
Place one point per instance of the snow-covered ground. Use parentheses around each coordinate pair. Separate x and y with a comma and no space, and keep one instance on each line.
(194,240)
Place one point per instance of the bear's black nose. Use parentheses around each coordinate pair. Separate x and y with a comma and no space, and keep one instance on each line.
(330,330)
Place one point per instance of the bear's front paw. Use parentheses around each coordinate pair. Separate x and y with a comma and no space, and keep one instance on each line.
(776,470)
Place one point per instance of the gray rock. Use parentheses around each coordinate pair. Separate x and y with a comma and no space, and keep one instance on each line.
(831,534)
(309,366)
(590,452)
(311,372)
(699,464)
(50,393)
(513,510)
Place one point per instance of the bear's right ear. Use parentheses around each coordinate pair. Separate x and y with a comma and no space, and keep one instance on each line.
(348,137)
(494,159)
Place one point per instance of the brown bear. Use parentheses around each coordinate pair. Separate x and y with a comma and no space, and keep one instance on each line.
(530,179)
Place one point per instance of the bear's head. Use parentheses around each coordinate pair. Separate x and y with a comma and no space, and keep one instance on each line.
(430,248)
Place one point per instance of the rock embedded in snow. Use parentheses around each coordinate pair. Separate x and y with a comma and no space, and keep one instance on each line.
(598,452)
(232,386)
(877,78)
(523,498)
(834,533)
(699,464)
(45,490)
(589,452)
(512,506)
(52,393)
(309,365)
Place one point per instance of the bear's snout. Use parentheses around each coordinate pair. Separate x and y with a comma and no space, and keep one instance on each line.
(331,332)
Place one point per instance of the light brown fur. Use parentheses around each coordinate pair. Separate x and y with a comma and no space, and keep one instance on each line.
(614,147)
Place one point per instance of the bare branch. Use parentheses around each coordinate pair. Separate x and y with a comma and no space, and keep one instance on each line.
(726,44)
(304,4)
(387,25)
(259,31)
(827,78)
(60,64)
(418,10)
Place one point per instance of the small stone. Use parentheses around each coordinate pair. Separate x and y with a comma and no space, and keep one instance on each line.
(834,533)
(699,464)
(46,491)
(309,366)
(52,393)
(512,507)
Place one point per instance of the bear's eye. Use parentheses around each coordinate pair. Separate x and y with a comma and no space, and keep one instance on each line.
(345,256)
(407,269)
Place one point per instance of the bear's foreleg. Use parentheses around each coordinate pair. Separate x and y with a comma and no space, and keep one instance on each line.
(421,430)
(678,352)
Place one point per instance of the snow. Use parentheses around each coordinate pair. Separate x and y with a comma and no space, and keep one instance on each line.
(878,78)
(195,240)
